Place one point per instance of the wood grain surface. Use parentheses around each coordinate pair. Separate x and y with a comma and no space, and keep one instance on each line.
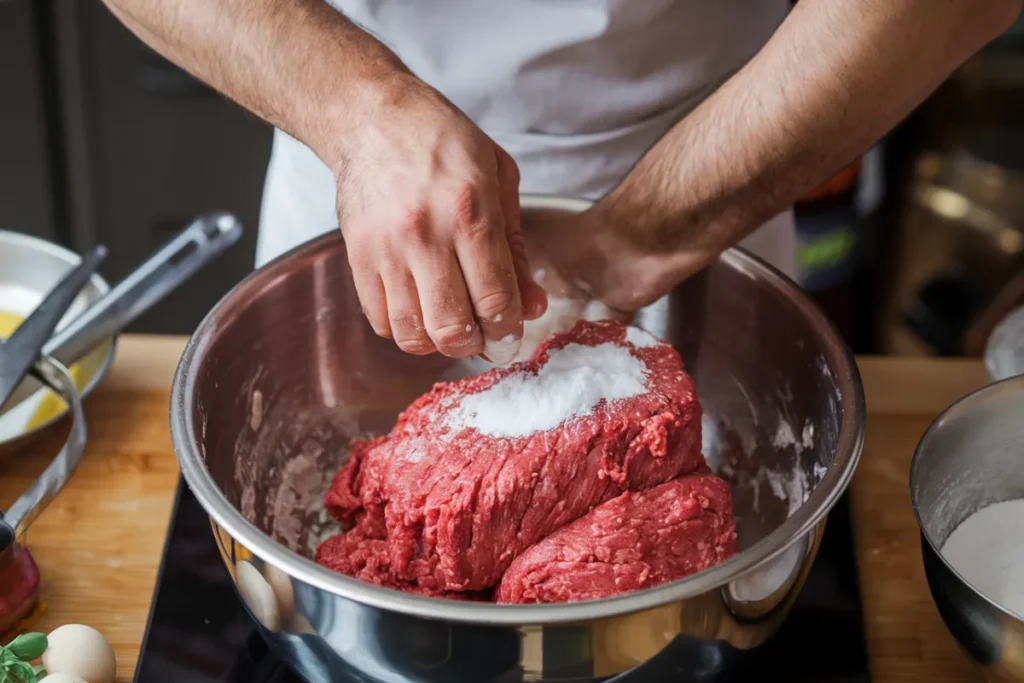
(907,640)
(98,545)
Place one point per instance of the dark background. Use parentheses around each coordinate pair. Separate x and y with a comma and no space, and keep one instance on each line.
(102,141)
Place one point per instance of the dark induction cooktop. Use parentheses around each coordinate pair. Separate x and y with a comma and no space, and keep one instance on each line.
(199,632)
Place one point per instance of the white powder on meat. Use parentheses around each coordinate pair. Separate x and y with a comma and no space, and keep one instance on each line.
(571,384)
(987,550)
(414,454)
(560,316)
(641,339)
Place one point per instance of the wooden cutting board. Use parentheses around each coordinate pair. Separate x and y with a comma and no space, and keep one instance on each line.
(907,640)
(99,544)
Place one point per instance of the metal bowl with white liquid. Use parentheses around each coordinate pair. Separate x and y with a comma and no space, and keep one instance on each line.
(970,458)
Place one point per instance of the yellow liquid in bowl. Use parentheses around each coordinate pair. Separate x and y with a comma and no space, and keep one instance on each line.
(51,405)
(9,322)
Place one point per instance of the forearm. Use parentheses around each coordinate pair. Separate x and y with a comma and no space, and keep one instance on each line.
(298,64)
(836,76)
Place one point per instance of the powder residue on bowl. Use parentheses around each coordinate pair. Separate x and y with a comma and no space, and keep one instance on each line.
(791,487)
(987,550)
(785,436)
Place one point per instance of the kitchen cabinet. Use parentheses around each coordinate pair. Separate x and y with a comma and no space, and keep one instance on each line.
(26,168)
(148,148)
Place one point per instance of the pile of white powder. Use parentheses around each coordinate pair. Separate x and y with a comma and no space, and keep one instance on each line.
(987,550)
(571,384)
(560,316)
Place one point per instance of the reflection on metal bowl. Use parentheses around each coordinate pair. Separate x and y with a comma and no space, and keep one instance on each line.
(285,371)
(1004,352)
(971,457)
(29,268)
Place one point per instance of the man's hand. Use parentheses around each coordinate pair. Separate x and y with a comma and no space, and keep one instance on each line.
(832,80)
(429,207)
(590,257)
(428,204)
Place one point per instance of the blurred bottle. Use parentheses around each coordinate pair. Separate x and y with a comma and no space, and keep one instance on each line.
(831,231)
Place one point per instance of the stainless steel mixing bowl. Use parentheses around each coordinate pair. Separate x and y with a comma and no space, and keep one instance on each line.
(972,456)
(285,371)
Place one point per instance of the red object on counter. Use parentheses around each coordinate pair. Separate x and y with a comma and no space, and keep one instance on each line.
(19,591)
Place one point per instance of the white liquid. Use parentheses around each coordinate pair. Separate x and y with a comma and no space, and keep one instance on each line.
(987,550)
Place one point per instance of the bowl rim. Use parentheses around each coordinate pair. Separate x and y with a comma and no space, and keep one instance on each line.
(824,496)
(1013,384)
(102,288)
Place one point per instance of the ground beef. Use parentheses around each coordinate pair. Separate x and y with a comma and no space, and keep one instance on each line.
(369,559)
(440,511)
(637,540)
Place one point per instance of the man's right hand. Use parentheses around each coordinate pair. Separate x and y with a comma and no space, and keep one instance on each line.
(429,207)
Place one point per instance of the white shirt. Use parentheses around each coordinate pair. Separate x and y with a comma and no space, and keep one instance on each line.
(575,90)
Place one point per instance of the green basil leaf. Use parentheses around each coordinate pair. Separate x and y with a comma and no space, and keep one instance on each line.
(28,646)
(22,672)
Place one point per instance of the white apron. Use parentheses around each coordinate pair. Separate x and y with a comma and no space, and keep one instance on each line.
(575,90)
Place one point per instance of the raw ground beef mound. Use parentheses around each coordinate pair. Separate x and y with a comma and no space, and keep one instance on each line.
(637,540)
(445,512)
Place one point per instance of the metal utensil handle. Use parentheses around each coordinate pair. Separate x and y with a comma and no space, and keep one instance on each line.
(164,271)
(30,504)
(22,349)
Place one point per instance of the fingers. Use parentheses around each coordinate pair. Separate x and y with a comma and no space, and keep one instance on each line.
(404,315)
(447,309)
(485,259)
(370,290)
(444,264)
(427,312)
(533,297)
